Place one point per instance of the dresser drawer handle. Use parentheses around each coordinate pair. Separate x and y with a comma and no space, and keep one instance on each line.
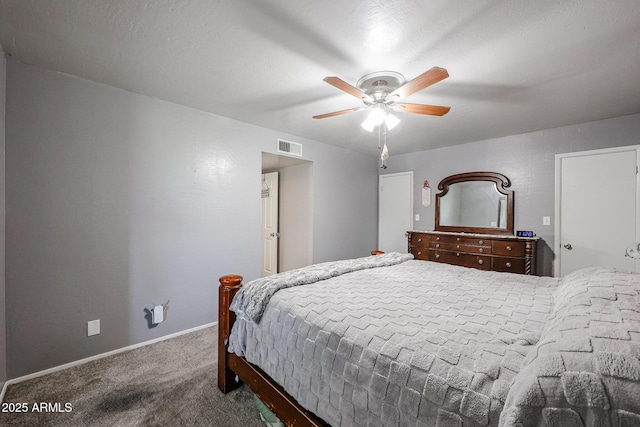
(508,248)
(480,250)
(457,239)
(419,253)
(481,242)
(457,246)
(480,261)
(437,245)
(437,238)
(419,240)
(437,256)
(457,253)
(508,265)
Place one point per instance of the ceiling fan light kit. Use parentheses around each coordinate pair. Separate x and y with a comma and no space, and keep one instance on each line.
(368,125)
(381,90)
(391,121)
(377,114)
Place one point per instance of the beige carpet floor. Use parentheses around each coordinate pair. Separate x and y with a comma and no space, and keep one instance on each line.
(170,383)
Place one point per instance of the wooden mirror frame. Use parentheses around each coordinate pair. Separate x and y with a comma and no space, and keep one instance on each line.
(501,182)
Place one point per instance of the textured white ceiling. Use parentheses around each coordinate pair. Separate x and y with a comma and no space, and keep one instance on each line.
(515,66)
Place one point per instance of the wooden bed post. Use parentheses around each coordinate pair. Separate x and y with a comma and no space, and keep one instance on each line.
(229,286)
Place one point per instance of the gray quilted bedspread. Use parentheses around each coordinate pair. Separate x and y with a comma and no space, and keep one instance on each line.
(430,344)
(252,299)
(585,370)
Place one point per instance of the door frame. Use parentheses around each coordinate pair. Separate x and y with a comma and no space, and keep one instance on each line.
(558,176)
(275,234)
(380,178)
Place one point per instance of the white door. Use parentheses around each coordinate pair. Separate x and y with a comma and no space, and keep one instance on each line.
(269,235)
(395,211)
(596,209)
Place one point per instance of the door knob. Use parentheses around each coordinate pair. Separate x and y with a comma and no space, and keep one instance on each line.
(568,246)
(274,234)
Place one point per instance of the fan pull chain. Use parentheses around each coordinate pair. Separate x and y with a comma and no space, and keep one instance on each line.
(385,151)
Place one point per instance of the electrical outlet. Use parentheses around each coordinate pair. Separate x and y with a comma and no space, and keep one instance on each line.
(93,327)
(546,220)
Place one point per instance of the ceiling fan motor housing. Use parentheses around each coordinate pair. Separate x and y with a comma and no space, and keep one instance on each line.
(379,84)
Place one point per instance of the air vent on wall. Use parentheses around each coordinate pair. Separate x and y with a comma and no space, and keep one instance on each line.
(288,147)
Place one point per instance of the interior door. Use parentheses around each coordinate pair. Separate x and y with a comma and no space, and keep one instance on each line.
(596,209)
(269,235)
(395,211)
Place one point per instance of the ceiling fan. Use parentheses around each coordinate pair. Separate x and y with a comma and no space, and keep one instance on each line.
(381,91)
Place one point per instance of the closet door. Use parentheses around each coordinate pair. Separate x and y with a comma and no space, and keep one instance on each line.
(596,209)
(395,210)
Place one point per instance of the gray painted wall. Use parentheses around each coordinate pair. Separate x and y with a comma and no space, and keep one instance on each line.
(336,212)
(116,201)
(527,159)
(295,248)
(3,344)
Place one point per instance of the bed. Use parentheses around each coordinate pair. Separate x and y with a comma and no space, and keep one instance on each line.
(392,341)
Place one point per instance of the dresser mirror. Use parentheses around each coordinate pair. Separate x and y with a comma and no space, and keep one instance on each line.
(475,202)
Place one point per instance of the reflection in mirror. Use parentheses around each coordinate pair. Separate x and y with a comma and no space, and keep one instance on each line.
(474,204)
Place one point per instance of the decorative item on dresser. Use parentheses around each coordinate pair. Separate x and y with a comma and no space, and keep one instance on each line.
(483,251)
(474,226)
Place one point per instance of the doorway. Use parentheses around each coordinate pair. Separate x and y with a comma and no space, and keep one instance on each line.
(294,234)
(269,229)
(395,211)
(597,202)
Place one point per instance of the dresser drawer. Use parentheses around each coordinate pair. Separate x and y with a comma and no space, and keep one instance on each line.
(461,240)
(509,265)
(420,253)
(458,247)
(482,262)
(419,240)
(508,248)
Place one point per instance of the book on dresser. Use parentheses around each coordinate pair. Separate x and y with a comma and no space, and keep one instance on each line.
(498,252)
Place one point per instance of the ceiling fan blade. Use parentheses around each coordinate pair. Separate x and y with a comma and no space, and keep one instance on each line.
(346,87)
(338,113)
(431,110)
(424,80)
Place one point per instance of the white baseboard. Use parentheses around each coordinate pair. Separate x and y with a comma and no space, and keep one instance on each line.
(96,357)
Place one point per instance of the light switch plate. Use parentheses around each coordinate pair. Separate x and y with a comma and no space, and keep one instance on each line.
(546,220)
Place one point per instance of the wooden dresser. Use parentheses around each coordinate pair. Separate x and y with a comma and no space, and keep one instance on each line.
(483,251)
